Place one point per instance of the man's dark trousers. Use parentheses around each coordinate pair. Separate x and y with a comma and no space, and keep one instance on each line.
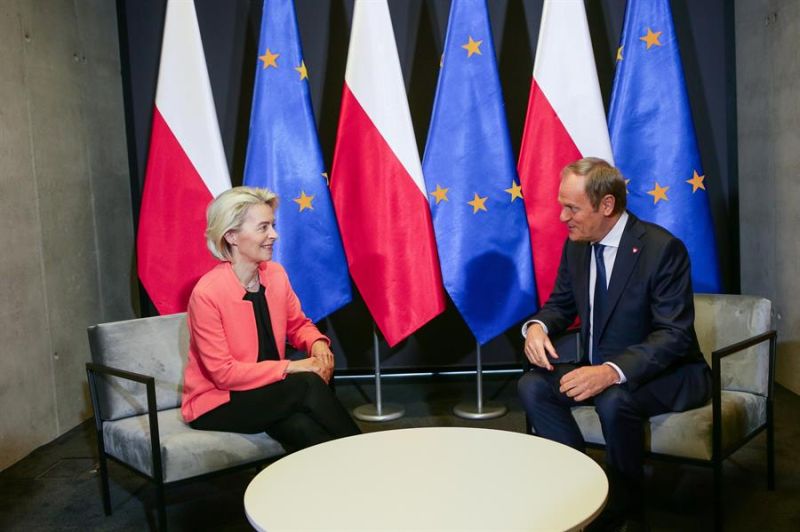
(622,414)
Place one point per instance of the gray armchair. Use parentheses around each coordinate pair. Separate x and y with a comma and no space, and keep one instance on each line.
(738,342)
(135,381)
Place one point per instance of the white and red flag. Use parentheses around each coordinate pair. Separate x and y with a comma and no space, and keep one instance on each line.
(565,121)
(377,186)
(186,167)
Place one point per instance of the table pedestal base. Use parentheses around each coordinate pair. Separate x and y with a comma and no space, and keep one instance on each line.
(488,410)
(370,412)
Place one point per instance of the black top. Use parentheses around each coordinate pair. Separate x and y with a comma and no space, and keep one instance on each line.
(267,348)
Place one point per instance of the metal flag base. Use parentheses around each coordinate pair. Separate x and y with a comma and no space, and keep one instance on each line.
(371,412)
(488,410)
(378,411)
(479,409)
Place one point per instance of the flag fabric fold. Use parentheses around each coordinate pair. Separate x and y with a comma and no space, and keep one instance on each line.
(653,137)
(377,186)
(186,167)
(565,122)
(283,155)
(472,184)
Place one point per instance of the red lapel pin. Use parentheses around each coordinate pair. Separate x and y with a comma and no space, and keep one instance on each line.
(636,250)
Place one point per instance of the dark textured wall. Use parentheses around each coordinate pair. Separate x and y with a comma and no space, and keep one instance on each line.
(768,76)
(230,34)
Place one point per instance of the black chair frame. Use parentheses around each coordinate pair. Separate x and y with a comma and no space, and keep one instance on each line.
(157,478)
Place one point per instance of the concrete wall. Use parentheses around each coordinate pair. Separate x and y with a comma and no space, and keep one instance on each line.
(768,92)
(67,236)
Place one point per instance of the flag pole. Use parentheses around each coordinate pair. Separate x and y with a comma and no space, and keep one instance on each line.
(378,411)
(479,410)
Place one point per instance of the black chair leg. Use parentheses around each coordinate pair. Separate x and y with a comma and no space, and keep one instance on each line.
(718,495)
(162,509)
(104,491)
(770,455)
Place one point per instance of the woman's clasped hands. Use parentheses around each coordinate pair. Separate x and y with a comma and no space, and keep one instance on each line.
(320,361)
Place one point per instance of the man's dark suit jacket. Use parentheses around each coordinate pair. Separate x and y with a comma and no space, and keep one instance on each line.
(649,326)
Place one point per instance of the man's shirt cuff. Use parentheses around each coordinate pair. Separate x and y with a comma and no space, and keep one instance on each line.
(529,323)
(622,378)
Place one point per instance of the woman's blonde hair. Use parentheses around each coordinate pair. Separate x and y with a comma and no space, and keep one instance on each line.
(227,213)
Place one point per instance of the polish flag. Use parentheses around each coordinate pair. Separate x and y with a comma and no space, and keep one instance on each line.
(377,186)
(565,122)
(186,167)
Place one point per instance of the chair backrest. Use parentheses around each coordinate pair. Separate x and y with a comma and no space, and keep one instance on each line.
(156,346)
(722,320)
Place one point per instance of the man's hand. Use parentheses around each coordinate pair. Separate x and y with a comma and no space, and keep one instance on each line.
(587,381)
(538,346)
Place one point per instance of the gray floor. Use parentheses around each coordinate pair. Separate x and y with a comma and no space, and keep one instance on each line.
(56,488)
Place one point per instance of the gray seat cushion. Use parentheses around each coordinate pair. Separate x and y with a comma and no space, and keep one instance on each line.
(688,434)
(185,452)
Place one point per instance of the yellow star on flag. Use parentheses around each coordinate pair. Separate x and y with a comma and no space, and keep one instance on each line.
(269,59)
(327,181)
(472,47)
(478,203)
(302,70)
(304,201)
(440,194)
(619,53)
(659,193)
(651,38)
(627,181)
(697,182)
(515,191)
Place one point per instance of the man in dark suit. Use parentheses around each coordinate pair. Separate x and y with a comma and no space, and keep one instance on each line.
(629,281)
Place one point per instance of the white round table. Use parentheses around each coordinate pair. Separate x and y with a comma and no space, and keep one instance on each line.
(438,478)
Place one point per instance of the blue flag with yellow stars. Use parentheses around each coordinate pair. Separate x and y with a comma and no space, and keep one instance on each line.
(653,138)
(283,155)
(471,178)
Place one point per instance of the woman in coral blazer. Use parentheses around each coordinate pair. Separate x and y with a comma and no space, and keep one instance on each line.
(241,314)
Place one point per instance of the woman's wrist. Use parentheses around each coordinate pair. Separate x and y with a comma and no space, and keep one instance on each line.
(318,348)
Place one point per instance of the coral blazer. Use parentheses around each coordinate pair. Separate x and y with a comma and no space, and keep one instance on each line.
(223,339)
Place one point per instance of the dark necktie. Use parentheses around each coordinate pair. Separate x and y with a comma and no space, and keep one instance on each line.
(600,301)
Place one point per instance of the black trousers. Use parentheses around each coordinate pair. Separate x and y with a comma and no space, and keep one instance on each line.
(298,412)
(622,413)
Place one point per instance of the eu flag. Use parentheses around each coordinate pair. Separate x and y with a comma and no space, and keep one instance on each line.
(653,138)
(471,178)
(283,155)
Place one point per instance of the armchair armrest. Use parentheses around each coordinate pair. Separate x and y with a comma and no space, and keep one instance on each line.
(744,344)
(718,354)
(716,382)
(121,373)
(152,411)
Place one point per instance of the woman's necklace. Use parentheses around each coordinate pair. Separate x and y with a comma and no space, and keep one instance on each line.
(252,286)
